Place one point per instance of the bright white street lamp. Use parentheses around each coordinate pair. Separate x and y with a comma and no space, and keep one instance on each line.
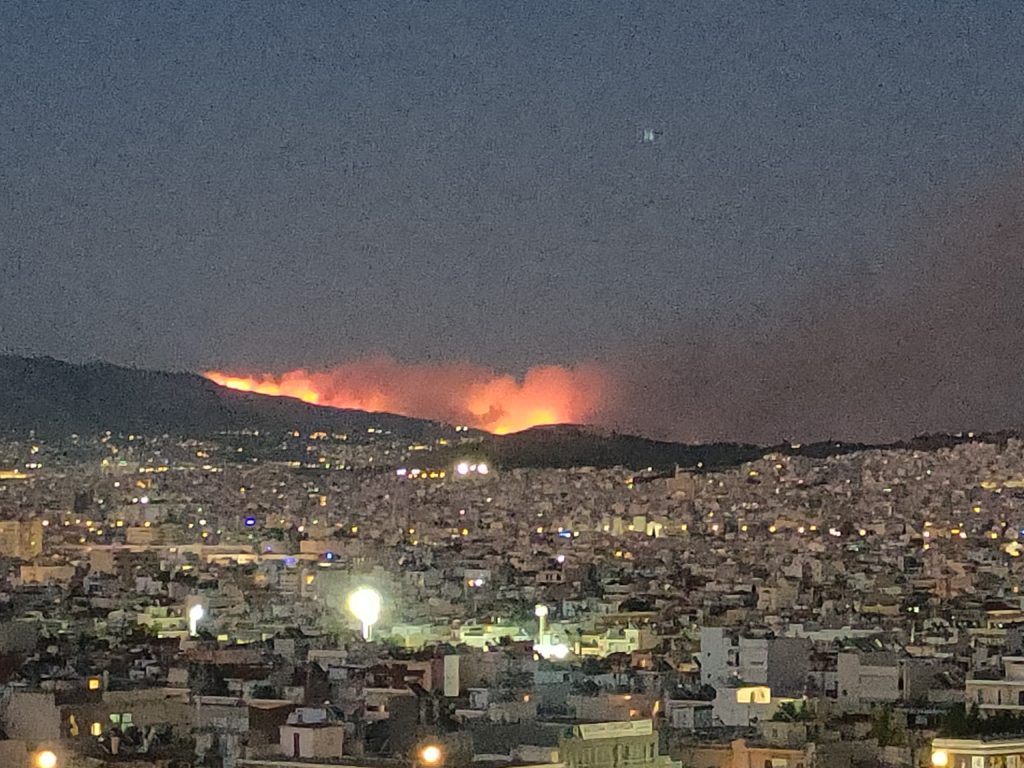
(45,759)
(541,612)
(195,615)
(364,604)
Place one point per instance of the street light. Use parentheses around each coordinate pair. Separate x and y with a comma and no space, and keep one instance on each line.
(431,754)
(364,604)
(541,612)
(195,615)
(45,759)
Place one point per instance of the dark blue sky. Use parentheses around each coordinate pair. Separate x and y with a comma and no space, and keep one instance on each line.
(215,184)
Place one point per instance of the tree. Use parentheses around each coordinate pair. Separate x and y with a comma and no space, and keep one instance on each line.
(789,712)
(883,727)
(206,680)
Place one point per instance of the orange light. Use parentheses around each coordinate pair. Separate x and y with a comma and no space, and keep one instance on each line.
(431,754)
(458,393)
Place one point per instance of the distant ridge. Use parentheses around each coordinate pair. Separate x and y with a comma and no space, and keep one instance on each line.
(574,445)
(58,398)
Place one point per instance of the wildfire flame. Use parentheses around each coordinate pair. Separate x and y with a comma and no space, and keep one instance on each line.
(459,393)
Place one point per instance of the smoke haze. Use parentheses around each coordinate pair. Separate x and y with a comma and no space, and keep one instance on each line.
(923,333)
(929,336)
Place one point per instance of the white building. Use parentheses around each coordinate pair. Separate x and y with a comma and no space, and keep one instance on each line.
(1005,694)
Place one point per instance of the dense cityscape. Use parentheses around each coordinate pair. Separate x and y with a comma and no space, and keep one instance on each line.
(461,384)
(280,599)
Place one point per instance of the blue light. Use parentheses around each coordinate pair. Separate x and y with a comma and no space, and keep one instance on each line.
(329,555)
(565,534)
(250,522)
(290,562)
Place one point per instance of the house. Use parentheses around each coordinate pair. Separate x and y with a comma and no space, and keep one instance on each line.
(312,733)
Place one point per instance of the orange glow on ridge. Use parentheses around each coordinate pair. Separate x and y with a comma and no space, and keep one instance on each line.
(458,393)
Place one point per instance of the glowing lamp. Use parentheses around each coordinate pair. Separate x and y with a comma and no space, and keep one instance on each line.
(45,759)
(541,612)
(365,604)
(195,615)
(431,754)
(556,651)
(940,758)
(482,468)
(462,467)
(250,522)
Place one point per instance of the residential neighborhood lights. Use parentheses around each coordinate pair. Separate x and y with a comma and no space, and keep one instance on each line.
(45,759)
(364,604)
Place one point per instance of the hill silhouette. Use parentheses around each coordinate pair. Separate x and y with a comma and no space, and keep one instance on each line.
(58,398)
(55,397)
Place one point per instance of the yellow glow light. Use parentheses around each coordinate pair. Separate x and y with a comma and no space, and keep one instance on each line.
(431,754)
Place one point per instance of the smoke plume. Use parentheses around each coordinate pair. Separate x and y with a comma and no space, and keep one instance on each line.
(926,334)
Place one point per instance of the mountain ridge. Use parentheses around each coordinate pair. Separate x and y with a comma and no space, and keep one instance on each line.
(56,397)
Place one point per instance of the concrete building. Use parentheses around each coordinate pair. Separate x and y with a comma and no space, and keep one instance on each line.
(22,540)
(612,745)
(754,657)
(868,678)
(1004,694)
(741,754)
(977,753)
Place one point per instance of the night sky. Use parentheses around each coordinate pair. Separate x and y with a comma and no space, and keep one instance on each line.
(824,238)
